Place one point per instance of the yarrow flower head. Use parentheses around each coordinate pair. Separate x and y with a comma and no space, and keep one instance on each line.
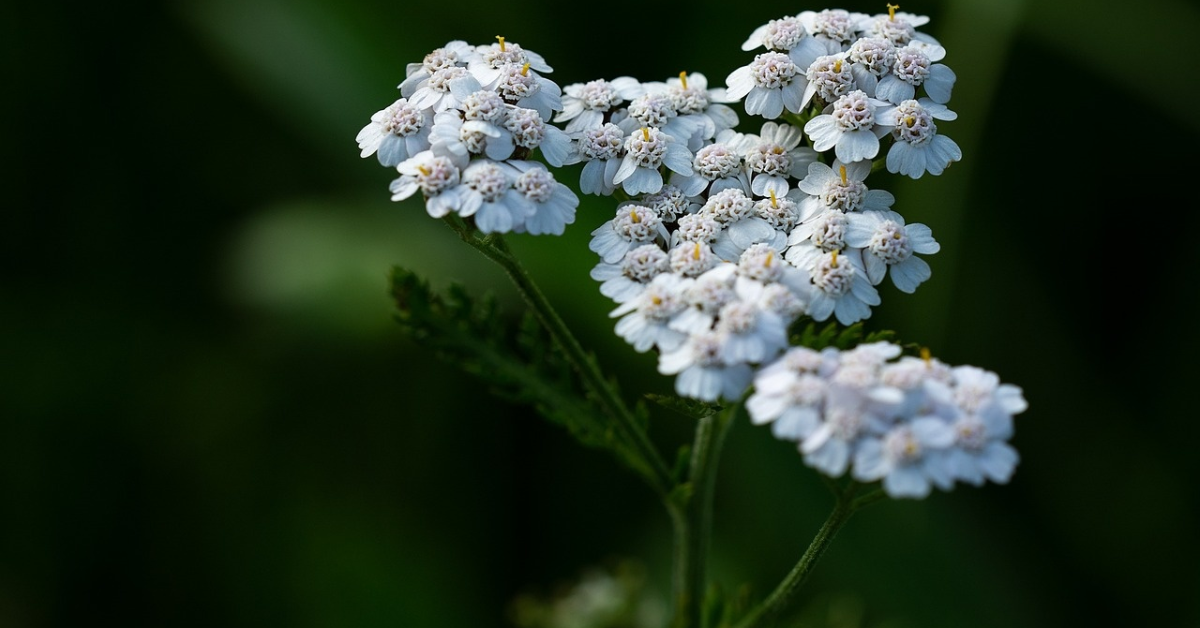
(469,122)
(913,423)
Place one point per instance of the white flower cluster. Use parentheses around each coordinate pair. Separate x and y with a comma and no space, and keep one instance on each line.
(750,231)
(462,133)
(871,76)
(726,238)
(914,423)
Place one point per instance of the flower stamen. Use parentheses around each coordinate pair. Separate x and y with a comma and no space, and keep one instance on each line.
(833,264)
(683,79)
(646,134)
(892,11)
(775,201)
(501,38)
(525,70)
(842,171)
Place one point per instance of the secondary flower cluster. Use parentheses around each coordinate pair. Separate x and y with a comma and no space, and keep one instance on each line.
(462,132)
(914,423)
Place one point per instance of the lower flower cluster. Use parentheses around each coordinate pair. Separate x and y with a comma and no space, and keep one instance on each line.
(914,422)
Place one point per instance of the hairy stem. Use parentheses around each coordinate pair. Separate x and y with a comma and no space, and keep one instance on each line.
(691,515)
(845,506)
(650,464)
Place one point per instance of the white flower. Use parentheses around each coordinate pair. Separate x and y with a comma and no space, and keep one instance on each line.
(704,298)
(771,83)
(518,85)
(671,203)
(454,53)
(872,58)
(715,167)
(395,133)
(979,453)
(789,393)
(751,334)
(459,139)
(888,243)
(435,91)
(840,188)
(837,26)
(645,151)
(850,126)
(554,203)
(918,148)
(488,195)
(773,218)
(645,321)
(488,63)
(782,213)
(905,458)
(434,176)
(982,424)
(657,110)
(773,155)
(528,131)
(692,98)
(818,236)
(770,283)
(627,279)
(586,105)
(912,69)
(788,35)
(633,226)
(831,445)
(900,29)
(602,149)
(840,288)
(701,372)
(692,259)
(698,227)
(829,77)
(742,234)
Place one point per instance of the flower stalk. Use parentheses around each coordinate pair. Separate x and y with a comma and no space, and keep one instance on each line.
(649,463)
(691,516)
(845,505)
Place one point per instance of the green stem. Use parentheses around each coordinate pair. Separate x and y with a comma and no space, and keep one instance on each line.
(845,506)
(691,516)
(652,466)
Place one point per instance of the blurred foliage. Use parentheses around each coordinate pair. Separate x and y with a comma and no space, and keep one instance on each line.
(209,416)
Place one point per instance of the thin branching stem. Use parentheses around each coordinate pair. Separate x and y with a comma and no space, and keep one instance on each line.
(651,465)
(692,514)
(846,505)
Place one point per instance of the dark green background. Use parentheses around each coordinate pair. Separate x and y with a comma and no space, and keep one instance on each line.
(207,416)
